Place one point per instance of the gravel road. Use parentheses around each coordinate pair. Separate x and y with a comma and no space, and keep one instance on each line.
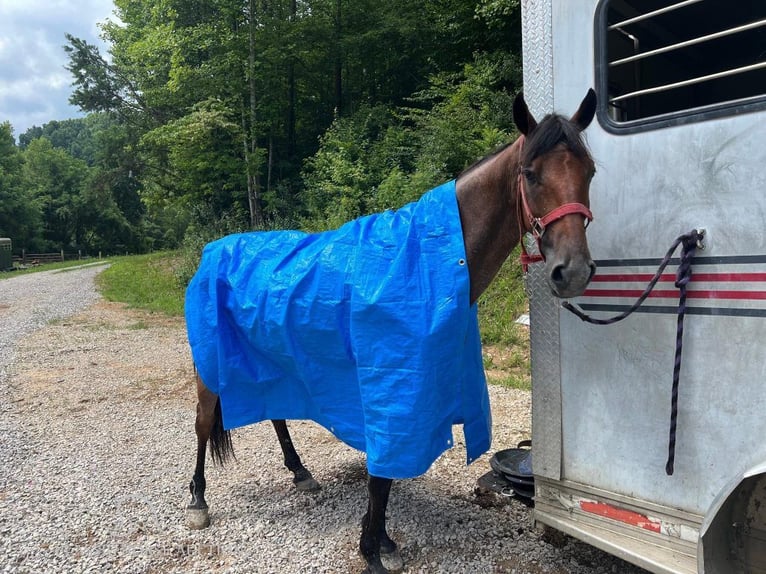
(97,446)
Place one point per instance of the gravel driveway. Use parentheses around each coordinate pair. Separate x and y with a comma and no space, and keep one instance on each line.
(97,449)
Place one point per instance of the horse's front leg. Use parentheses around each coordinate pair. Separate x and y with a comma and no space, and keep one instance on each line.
(378,549)
(302,477)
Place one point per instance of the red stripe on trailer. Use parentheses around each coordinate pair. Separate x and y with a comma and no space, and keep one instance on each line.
(632,277)
(620,515)
(671,277)
(690,294)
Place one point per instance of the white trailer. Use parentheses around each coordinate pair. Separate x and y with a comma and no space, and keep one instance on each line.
(680,144)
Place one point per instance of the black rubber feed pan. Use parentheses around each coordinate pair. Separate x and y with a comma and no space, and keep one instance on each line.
(514,462)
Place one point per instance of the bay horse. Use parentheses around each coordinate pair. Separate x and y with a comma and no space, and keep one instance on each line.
(538,184)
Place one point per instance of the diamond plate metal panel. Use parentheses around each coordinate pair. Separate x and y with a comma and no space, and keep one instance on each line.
(546,375)
(537,54)
(537,50)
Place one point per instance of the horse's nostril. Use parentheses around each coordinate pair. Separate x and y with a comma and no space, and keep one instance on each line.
(592,270)
(557,275)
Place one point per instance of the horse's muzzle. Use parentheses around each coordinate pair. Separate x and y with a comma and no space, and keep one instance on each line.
(570,278)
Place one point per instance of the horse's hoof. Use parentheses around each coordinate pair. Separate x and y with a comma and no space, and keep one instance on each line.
(392,561)
(197,518)
(375,568)
(307,485)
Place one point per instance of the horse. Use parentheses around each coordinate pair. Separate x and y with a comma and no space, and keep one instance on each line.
(538,184)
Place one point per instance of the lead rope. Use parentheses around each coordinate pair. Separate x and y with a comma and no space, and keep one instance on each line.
(690,242)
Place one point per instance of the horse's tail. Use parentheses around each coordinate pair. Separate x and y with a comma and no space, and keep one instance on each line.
(221,448)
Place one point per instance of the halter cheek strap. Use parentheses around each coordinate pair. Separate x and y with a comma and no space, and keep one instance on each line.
(536,225)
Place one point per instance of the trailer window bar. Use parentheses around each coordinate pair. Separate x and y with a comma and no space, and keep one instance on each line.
(691,42)
(689,82)
(665,62)
(653,14)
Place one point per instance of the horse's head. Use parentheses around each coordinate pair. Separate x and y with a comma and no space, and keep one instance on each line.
(555,171)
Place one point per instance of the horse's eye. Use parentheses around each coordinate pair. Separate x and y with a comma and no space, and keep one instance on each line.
(529,175)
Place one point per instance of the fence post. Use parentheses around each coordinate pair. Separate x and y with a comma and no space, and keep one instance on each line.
(23,256)
(62,254)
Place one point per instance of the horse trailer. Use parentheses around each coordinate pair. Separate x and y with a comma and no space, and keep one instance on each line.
(680,148)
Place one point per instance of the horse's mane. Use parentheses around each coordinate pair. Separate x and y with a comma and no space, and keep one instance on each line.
(552,131)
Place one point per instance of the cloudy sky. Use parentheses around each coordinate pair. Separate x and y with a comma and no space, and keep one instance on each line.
(34,85)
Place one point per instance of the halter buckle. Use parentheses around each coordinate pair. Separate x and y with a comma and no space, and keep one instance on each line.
(537,227)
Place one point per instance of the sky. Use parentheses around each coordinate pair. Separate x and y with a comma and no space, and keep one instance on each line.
(34,84)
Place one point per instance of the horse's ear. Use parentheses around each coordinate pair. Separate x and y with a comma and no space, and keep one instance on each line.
(584,114)
(521,116)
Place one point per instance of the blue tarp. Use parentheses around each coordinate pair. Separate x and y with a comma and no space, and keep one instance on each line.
(366,330)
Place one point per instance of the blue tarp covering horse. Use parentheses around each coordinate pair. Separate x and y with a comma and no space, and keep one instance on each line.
(366,330)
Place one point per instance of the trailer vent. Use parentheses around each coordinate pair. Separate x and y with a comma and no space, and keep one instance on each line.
(664,61)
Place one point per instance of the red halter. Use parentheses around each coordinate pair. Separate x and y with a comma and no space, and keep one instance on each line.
(537,225)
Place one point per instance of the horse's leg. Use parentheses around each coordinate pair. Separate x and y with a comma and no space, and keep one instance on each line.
(208,426)
(302,477)
(378,549)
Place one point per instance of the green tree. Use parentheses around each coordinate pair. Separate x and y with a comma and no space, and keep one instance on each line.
(55,179)
(20,216)
(198,154)
(77,136)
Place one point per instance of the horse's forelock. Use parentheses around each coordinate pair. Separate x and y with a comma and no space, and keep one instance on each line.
(552,131)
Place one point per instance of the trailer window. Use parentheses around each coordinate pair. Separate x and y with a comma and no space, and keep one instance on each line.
(671,61)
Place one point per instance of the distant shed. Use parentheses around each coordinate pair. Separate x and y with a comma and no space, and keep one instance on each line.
(6,259)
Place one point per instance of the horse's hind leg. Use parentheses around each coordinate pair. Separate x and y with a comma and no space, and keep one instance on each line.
(208,426)
(302,477)
(376,546)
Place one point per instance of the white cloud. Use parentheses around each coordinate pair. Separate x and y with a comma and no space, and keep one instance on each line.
(34,83)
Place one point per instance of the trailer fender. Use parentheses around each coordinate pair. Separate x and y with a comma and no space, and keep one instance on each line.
(733,533)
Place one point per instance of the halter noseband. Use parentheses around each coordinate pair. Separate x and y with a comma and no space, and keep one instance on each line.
(537,225)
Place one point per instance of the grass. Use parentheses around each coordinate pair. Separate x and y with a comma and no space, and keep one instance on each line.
(145,282)
(505,342)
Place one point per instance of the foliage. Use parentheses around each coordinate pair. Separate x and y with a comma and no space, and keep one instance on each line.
(77,178)
(55,179)
(20,215)
(355,154)
(196,155)
(78,137)
(466,115)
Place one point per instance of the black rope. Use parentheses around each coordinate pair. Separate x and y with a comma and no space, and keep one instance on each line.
(690,241)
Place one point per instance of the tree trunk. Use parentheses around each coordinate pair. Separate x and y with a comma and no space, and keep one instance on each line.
(270,164)
(292,97)
(338,59)
(252,160)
